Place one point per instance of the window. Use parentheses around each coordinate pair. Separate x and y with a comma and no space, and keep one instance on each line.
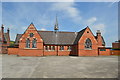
(28,43)
(102,49)
(88,44)
(69,48)
(49,47)
(31,34)
(53,48)
(46,48)
(34,42)
(61,47)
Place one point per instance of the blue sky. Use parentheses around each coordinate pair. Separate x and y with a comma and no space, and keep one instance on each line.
(72,16)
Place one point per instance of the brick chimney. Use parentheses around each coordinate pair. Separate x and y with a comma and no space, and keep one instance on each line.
(8,41)
(99,38)
(2,32)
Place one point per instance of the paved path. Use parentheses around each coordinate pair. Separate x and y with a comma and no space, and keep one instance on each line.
(60,67)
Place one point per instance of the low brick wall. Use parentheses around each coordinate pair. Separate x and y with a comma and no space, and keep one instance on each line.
(104,53)
(88,52)
(64,53)
(115,52)
(50,53)
(13,51)
(30,52)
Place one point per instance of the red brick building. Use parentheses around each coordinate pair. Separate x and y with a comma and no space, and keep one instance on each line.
(4,40)
(115,48)
(59,43)
(116,44)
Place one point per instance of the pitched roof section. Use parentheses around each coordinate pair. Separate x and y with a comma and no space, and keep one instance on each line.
(58,38)
(80,33)
(103,41)
(17,38)
(6,37)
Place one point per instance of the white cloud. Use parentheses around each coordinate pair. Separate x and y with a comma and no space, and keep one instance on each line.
(91,21)
(100,27)
(94,25)
(43,29)
(68,10)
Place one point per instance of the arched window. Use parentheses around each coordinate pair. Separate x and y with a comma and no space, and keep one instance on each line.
(28,43)
(88,44)
(34,42)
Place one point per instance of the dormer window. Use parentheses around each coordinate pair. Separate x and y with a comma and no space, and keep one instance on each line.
(31,34)
(88,44)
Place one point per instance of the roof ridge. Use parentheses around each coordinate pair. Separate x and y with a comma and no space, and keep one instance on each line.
(43,31)
(59,31)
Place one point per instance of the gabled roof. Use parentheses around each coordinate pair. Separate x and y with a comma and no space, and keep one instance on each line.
(6,37)
(58,38)
(103,41)
(17,38)
(80,33)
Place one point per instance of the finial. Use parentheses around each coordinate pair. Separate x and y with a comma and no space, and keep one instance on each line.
(2,25)
(56,24)
(8,29)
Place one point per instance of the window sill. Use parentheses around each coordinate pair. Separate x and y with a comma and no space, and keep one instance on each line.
(49,50)
(30,48)
(65,50)
(88,49)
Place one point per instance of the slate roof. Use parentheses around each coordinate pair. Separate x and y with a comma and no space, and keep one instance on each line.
(6,37)
(18,36)
(103,41)
(58,38)
(80,33)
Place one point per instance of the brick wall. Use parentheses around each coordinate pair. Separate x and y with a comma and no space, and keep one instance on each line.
(115,45)
(104,52)
(4,49)
(30,52)
(57,52)
(115,52)
(81,44)
(13,51)
(50,53)
(23,51)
